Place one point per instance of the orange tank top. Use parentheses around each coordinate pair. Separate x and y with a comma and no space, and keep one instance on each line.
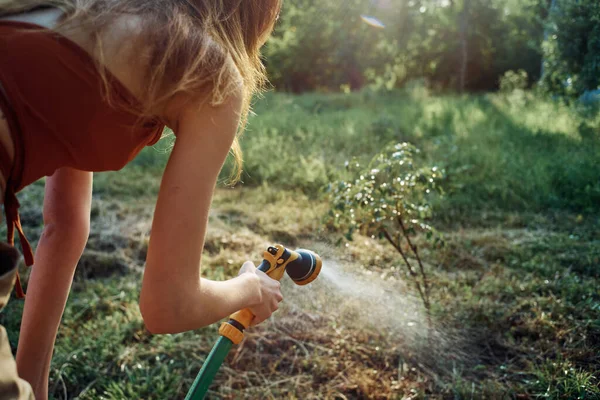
(58,115)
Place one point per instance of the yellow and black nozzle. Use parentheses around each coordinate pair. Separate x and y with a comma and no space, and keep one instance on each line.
(303,266)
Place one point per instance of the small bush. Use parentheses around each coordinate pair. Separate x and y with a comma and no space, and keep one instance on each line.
(389,198)
(514,80)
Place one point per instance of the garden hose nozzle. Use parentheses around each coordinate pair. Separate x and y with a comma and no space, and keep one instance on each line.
(303,266)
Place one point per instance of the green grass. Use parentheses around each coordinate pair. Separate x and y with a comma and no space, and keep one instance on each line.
(506,152)
(515,289)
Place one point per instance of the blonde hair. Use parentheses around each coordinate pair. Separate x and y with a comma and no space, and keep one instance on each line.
(195,46)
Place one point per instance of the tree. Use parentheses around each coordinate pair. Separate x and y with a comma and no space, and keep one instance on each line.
(572,49)
(464,44)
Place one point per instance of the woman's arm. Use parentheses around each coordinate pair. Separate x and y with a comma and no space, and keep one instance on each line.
(174,297)
(67,204)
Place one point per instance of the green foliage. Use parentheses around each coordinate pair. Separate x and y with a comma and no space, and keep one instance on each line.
(329,46)
(321,45)
(572,48)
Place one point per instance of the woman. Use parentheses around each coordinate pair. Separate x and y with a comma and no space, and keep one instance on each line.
(86,84)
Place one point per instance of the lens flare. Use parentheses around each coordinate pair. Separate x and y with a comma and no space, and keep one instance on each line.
(374,22)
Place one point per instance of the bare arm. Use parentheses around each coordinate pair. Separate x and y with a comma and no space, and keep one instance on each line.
(67,203)
(174,297)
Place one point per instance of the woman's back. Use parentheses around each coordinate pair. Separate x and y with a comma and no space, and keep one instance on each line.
(117,43)
(61,115)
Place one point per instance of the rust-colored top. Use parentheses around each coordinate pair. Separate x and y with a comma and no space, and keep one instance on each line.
(58,115)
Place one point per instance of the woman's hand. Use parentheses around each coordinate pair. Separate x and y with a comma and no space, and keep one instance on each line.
(270,293)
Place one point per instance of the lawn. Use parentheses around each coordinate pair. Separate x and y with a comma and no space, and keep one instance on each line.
(516,305)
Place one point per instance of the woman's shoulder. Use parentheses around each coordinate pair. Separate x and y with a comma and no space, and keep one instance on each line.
(116,47)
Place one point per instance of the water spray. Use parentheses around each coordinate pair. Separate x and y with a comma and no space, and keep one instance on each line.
(302,266)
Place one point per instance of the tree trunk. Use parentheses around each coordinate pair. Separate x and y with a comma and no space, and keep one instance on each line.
(546,34)
(464,45)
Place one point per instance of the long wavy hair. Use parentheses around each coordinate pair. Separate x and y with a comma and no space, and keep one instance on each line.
(195,47)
